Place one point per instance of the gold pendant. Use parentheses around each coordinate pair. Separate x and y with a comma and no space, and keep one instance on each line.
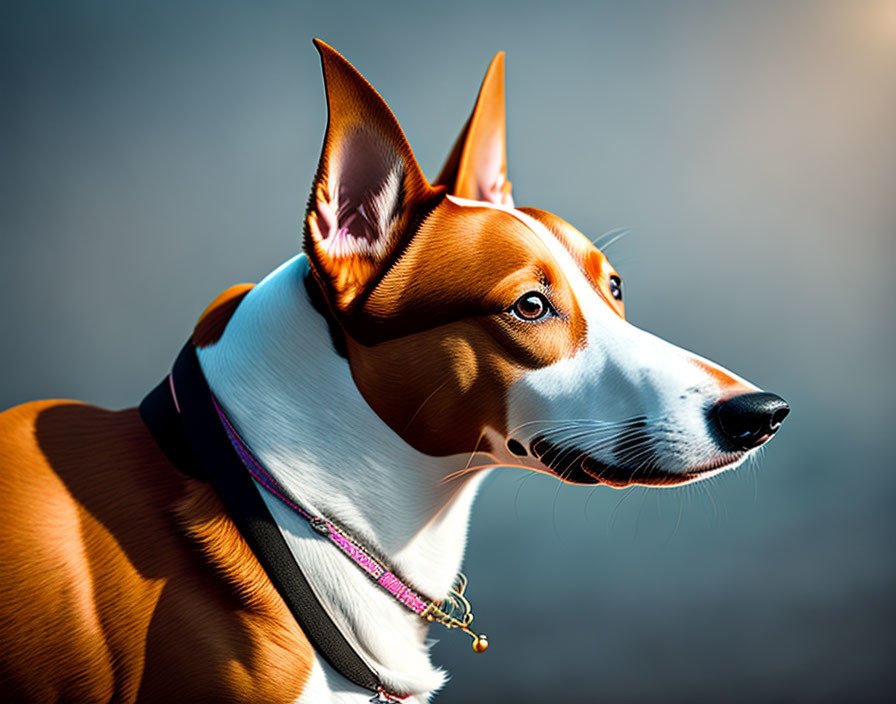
(454,611)
(480,643)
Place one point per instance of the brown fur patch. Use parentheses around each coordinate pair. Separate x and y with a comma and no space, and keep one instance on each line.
(728,385)
(127,582)
(434,349)
(215,317)
(593,263)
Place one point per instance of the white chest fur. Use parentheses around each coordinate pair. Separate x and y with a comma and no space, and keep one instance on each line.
(294,401)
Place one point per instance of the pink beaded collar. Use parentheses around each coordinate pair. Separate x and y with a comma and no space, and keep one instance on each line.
(452,612)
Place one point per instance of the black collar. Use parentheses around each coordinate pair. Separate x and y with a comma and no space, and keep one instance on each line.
(189,432)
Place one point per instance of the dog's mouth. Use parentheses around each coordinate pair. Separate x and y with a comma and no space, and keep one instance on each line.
(575,466)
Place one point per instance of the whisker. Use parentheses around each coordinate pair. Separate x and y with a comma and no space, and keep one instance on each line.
(644,495)
(588,500)
(611,520)
(609,233)
(558,435)
(475,449)
(607,245)
(561,462)
(554,510)
(425,401)
(516,498)
(575,421)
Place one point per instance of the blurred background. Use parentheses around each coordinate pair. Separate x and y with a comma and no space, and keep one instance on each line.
(152,154)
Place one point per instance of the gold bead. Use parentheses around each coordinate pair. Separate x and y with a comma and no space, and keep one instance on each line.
(480,643)
(430,618)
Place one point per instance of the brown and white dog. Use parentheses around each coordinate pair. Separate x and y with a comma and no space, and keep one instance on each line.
(471,334)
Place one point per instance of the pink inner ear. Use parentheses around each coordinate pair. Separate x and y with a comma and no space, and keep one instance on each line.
(326,221)
(365,177)
(491,181)
(498,192)
(339,241)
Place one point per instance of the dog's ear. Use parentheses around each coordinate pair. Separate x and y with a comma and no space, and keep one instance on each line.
(477,166)
(367,189)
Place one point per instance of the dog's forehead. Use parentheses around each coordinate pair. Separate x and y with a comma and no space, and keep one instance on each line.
(459,260)
(468,256)
(588,258)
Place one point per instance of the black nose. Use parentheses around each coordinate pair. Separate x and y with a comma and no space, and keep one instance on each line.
(748,420)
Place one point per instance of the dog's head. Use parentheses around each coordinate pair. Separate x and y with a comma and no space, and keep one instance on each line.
(471,324)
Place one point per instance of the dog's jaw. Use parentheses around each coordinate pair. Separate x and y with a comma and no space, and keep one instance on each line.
(271,370)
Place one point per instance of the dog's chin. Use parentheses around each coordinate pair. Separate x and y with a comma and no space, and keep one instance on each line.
(575,467)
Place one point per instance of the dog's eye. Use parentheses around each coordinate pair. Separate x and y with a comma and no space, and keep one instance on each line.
(531,306)
(616,287)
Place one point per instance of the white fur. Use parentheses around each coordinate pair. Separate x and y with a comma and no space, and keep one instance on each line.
(295,403)
(326,686)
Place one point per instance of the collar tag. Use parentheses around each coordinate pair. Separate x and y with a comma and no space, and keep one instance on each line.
(320,525)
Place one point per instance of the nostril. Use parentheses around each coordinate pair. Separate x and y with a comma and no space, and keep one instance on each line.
(734,422)
(777,418)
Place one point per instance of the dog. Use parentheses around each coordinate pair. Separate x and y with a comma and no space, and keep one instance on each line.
(360,393)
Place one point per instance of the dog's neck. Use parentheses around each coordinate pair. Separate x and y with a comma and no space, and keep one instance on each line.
(293,400)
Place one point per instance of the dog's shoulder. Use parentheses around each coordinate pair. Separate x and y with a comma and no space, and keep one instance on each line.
(73,514)
(125,566)
(215,317)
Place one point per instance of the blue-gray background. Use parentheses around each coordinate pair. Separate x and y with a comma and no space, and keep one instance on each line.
(154,153)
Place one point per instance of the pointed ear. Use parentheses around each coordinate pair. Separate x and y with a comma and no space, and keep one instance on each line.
(367,188)
(477,166)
